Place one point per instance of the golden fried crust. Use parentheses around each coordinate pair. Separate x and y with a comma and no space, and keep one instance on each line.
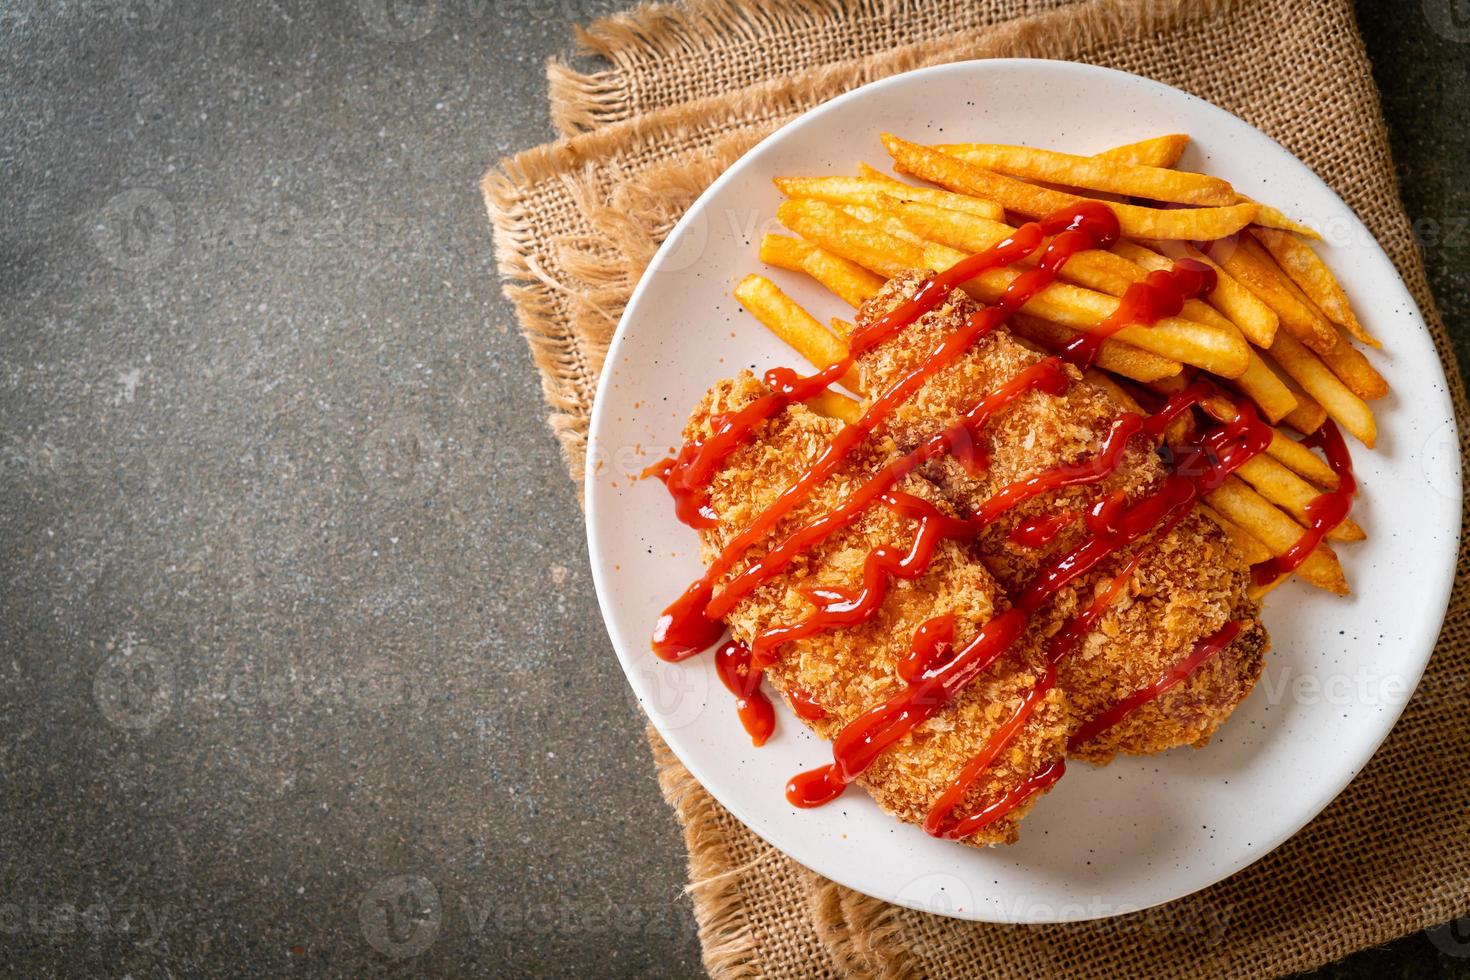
(847,671)
(1189,584)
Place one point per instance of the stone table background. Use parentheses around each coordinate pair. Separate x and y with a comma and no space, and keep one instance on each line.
(301,671)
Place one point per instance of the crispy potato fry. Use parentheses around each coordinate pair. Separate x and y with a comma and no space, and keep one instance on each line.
(1108,273)
(1172,386)
(833,229)
(1269,217)
(1197,224)
(835,405)
(1103,271)
(781,315)
(1290,492)
(848,280)
(1345,360)
(1253,266)
(1346,408)
(1284,449)
(1121,359)
(1106,174)
(1250,547)
(1271,395)
(840,327)
(889,223)
(1309,414)
(1305,267)
(1094,269)
(785,252)
(1244,308)
(1159,151)
(1239,503)
(1115,391)
(1302,461)
(1214,350)
(865,191)
(1353,369)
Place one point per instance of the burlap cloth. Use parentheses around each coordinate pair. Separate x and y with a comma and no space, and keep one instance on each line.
(686,90)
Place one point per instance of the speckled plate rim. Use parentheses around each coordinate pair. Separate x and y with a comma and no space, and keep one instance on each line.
(717,764)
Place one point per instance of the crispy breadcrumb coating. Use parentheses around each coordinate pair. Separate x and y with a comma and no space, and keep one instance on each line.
(1190,582)
(847,671)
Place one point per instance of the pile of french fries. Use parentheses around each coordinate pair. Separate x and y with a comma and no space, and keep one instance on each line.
(1277,329)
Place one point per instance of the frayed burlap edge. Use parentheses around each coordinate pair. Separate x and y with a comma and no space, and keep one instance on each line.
(581,101)
(737,121)
(702,36)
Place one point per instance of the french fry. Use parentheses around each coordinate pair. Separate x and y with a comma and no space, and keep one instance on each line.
(1097,267)
(1115,391)
(1291,493)
(1195,224)
(1121,359)
(1346,408)
(781,315)
(1254,267)
(833,229)
(1214,350)
(1301,460)
(1244,308)
(1345,360)
(836,405)
(1239,503)
(1269,217)
(1309,414)
(1250,547)
(1305,267)
(1171,386)
(1165,151)
(1285,450)
(1159,151)
(1106,174)
(865,191)
(1353,369)
(1103,271)
(848,280)
(1271,395)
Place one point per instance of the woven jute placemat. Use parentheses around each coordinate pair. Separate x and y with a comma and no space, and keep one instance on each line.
(684,90)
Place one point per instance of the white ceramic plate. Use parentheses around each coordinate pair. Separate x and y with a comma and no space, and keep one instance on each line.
(1104,841)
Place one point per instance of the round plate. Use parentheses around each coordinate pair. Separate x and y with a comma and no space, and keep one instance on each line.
(1104,841)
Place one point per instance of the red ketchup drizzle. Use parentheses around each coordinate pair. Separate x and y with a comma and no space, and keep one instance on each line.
(1038,532)
(1046,375)
(1113,525)
(743,679)
(690,623)
(805,705)
(836,607)
(1160,294)
(1324,512)
(1202,651)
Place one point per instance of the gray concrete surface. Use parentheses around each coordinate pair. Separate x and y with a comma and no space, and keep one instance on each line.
(300,667)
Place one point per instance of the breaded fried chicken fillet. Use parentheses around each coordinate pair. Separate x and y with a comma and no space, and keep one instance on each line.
(1188,583)
(850,670)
